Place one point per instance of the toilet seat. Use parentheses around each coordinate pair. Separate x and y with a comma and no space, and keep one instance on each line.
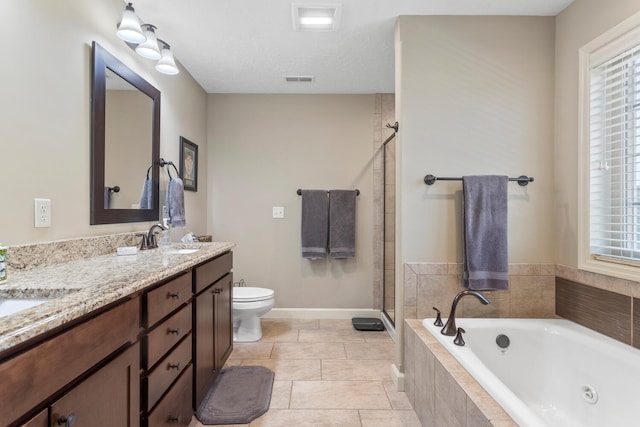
(251,294)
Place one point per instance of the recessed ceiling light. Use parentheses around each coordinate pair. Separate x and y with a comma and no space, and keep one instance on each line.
(315,17)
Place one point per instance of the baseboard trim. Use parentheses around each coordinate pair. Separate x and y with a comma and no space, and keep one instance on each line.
(397,377)
(321,313)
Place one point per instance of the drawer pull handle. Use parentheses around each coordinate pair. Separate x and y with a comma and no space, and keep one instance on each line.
(175,331)
(175,366)
(174,420)
(217,291)
(67,421)
(174,295)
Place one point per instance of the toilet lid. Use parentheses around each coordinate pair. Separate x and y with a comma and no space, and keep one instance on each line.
(247,293)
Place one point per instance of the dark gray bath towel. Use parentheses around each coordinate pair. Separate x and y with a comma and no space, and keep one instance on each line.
(486,265)
(315,223)
(342,223)
(146,197)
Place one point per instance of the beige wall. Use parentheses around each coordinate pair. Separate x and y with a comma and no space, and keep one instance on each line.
(475,97)
(45,116)
(577,25)
(262,148)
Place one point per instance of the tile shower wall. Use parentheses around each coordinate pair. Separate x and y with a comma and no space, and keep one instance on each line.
(531,292)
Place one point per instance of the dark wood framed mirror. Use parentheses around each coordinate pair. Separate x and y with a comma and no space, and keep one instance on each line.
(125,143)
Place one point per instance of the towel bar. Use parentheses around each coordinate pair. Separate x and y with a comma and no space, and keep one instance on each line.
(299,192)
(523,180)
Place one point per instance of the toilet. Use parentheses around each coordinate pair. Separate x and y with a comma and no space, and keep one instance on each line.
(249,304)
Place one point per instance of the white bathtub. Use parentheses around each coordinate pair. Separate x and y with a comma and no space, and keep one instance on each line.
(553,373)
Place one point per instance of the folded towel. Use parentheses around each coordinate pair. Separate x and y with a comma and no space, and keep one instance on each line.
(342,223)
(315,223)
(486,264)
(146,197)
(175,202)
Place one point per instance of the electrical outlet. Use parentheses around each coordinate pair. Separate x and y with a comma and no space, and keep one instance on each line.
(42,212)
(278,212)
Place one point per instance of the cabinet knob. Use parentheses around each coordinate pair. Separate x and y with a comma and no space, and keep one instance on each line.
(67,421)
(174,295)
(175,331)
(175,366)
(174,420)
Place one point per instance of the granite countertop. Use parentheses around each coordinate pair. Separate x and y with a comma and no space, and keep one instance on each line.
(81,286)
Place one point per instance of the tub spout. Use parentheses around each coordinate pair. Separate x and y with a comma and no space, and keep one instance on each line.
(450,327)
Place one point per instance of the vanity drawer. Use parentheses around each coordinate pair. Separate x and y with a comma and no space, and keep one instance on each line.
(167,371)
(166,298)
(175,408)
(167,334)
(213,270)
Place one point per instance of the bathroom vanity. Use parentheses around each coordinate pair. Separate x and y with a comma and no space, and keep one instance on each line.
(130,340)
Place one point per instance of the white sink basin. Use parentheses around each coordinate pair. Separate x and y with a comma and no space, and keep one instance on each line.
(13,305)
(181,251)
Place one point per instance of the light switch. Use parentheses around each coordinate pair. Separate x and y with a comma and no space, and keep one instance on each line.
(278,212)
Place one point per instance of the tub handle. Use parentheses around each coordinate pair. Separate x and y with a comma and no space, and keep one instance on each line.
(458,340)
(438,321)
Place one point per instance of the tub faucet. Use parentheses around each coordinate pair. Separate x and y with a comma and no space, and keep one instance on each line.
(450,327)
(151,236)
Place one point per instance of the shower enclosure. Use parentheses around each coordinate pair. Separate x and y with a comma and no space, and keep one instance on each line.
(388,227)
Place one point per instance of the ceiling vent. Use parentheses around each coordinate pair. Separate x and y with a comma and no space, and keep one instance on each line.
(315,17)
(299,79)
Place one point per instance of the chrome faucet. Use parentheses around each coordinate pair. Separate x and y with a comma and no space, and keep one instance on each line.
(151,236)
(450,327)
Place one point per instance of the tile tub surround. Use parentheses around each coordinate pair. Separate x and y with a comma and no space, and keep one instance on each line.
(442,392)
(531,292)
(80,286)
(326,374)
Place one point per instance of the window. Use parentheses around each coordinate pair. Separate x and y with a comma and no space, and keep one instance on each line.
(610,160)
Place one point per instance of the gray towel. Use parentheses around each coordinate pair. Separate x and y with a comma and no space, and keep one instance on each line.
(342,223)
(146,197)
(486,265)
(175,202)
(315,223)
(107,198)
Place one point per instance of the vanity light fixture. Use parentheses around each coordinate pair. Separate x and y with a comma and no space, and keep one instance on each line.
(166,64)
(315,17)
(149,48)
(142,38)
(129,28)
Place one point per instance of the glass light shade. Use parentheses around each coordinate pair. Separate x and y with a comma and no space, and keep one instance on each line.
(129,28)
(167,64)
(149,48)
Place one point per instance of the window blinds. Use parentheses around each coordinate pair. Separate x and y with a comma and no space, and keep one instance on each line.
(615,157)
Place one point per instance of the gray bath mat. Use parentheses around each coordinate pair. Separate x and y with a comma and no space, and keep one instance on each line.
(239,394)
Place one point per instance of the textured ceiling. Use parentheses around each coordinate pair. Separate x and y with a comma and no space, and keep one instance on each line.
(247,46)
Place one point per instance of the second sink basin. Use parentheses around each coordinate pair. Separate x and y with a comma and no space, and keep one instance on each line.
(10,306)
(181,251)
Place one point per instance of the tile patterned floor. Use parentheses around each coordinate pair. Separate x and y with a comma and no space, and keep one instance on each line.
(326,374)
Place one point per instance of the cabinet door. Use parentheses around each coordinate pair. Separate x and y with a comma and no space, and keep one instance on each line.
(109,397)
(223,291)
(204,344)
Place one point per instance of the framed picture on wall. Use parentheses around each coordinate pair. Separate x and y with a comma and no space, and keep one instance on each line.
(189,164)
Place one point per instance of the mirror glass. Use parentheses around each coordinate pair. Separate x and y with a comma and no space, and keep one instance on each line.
(125,143)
